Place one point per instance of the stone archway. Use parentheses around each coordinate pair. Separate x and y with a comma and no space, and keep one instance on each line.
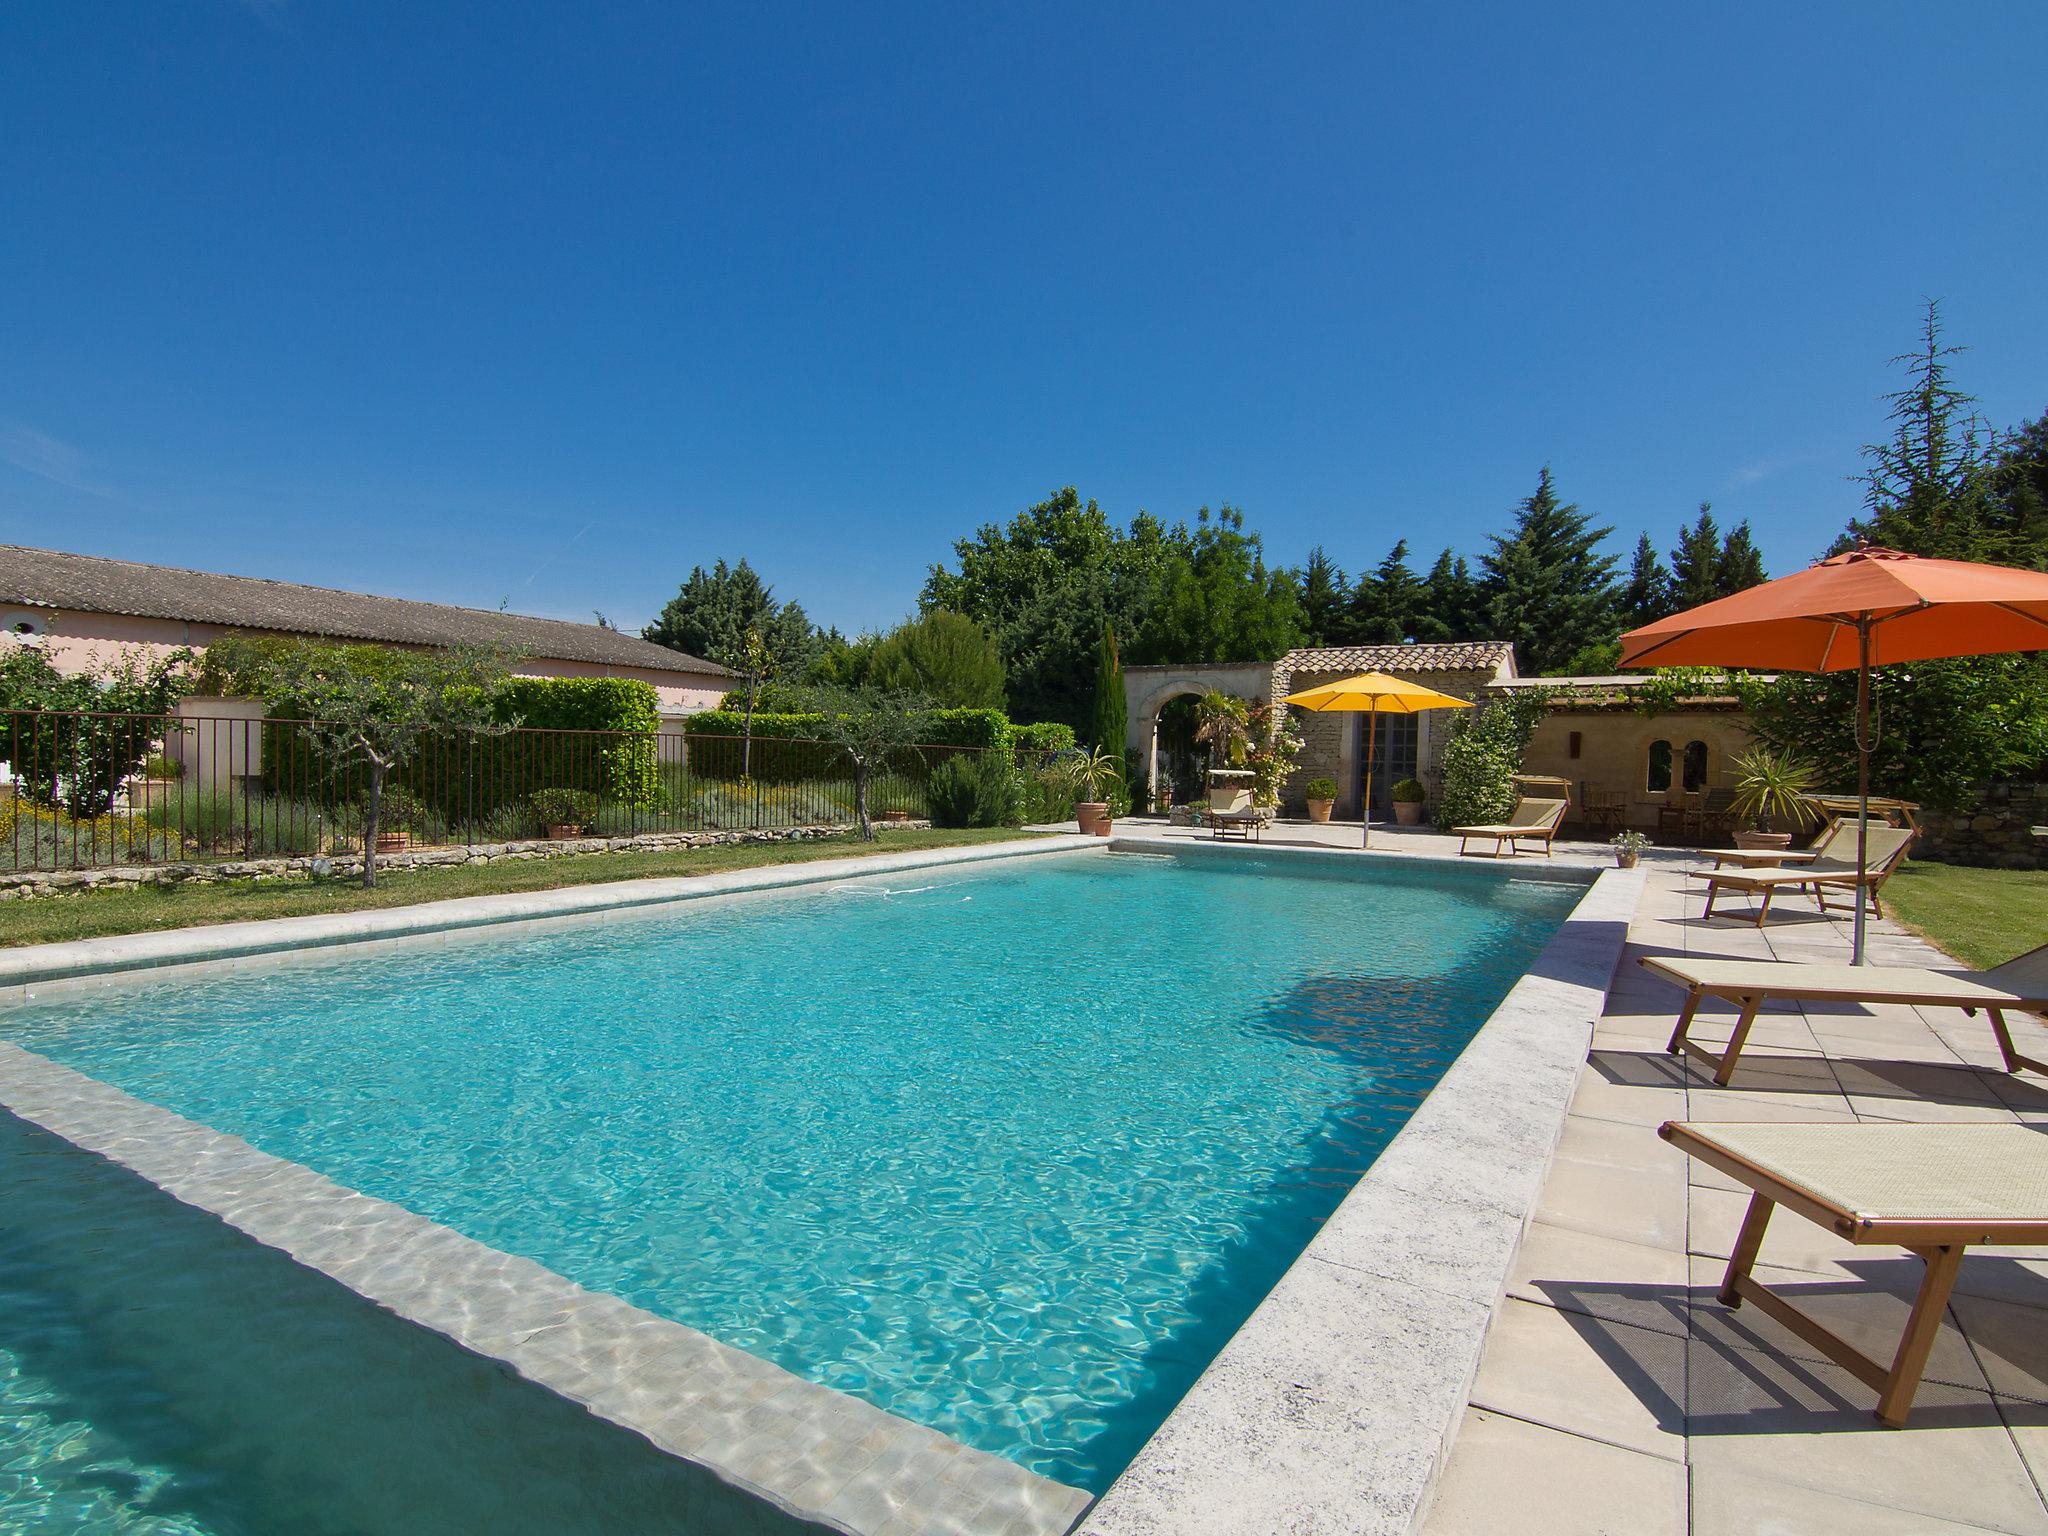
(1148,690)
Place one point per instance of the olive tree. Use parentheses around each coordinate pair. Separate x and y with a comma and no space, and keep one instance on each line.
(870,727)
(376,717)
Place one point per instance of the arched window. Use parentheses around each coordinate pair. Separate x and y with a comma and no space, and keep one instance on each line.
(1658,781)
(1695,767)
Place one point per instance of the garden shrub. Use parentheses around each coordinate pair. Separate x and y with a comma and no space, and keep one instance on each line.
(975,790)
(1483,754)
(1043,736)
(561,807)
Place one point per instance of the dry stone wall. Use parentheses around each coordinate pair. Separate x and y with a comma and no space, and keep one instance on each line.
(2006,828)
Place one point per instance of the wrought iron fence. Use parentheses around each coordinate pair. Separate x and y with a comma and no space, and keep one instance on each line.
(83,790)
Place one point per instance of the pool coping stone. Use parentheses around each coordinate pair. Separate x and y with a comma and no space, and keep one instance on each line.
(1332,1409)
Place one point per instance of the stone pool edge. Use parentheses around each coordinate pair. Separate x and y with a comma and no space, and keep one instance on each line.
(818,1455)
(89,959)
(1331,1410)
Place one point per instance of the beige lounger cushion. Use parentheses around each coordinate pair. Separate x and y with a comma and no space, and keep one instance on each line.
(1893,1173)
(1530,817)
(1887,847)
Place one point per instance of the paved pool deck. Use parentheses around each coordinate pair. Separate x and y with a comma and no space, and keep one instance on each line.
(1615,1394)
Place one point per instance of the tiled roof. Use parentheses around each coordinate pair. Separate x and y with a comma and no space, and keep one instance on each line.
(1463,656)
(48,578)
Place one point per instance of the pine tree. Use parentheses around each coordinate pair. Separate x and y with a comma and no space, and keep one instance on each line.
(1646,595)
(1450,606)
(2020,489)
(1928,491)
(1696,562)
(1740,564)
(1548,589)
(1111,720)
(1324,595)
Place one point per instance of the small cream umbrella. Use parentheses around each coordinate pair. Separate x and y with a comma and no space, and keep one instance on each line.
(1373,694)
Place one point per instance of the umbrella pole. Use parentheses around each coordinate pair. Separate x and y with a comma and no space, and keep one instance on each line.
(1856,956)
(1372,726)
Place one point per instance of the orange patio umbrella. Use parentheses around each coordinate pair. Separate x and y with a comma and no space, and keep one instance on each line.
(1867,608)
(1373,694)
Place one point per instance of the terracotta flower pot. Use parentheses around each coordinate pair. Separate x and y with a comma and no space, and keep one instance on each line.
(561,832)
(893,816)
(1408,813)
(1625,858)
(1093,815)
(1775,840)
(393,842)
(1319,810)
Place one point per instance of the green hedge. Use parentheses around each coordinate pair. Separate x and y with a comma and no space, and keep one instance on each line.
(622,770)
(1044,736)
(985,729)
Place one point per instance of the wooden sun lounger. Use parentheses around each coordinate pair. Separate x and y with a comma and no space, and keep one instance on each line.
(1533,821)
(1930,1189)
(1245,826)
(2018,986)
(1773,858)
(1887,848)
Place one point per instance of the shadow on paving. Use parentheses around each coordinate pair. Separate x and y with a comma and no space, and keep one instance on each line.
(159,1370)
(1739,1373)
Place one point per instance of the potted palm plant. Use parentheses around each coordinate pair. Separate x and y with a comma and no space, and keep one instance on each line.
(1407,797)
(1322,798)
(1770,785)
(1091,775)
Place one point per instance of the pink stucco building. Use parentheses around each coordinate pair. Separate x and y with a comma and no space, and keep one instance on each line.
(79,605)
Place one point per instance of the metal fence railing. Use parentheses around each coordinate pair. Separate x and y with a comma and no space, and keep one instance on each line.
(83,790)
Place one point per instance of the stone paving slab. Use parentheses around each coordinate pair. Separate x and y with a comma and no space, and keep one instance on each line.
(818,1455)
(1768,1438)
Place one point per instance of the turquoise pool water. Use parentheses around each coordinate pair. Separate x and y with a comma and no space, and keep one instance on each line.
(1007,1149)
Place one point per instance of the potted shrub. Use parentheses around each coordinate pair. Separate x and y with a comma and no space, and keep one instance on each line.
(563,812)
(1770,785)
(1322,798)
(1408,796)
(1628,847)
(1089,776)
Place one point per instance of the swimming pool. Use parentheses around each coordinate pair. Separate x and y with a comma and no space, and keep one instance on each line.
(1010,1151)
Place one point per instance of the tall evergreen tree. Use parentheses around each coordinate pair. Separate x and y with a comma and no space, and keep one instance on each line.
(2020,489)
(1111,720)
(1646,595)
(1928,490)
(1548,589)
(1696,562)
(1324,595)
(1382,603)
(713,613)
(1740,564)
(1451,606)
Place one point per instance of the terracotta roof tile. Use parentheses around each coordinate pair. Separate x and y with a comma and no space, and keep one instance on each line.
(1463,656)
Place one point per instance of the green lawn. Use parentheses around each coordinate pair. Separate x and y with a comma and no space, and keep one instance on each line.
(94,914)
(1981,916)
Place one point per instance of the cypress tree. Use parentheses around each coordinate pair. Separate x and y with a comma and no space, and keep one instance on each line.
(1548,589)
(1741,564)
(1449,607)
(1111,720)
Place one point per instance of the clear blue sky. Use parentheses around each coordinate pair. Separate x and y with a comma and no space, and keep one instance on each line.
(548,302)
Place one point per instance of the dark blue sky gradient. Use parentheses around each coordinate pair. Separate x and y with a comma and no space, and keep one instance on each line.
(548,302)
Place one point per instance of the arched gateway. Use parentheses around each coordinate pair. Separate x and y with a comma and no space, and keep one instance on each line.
(1334,743)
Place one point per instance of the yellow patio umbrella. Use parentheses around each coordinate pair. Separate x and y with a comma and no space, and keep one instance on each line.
(1373,694)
